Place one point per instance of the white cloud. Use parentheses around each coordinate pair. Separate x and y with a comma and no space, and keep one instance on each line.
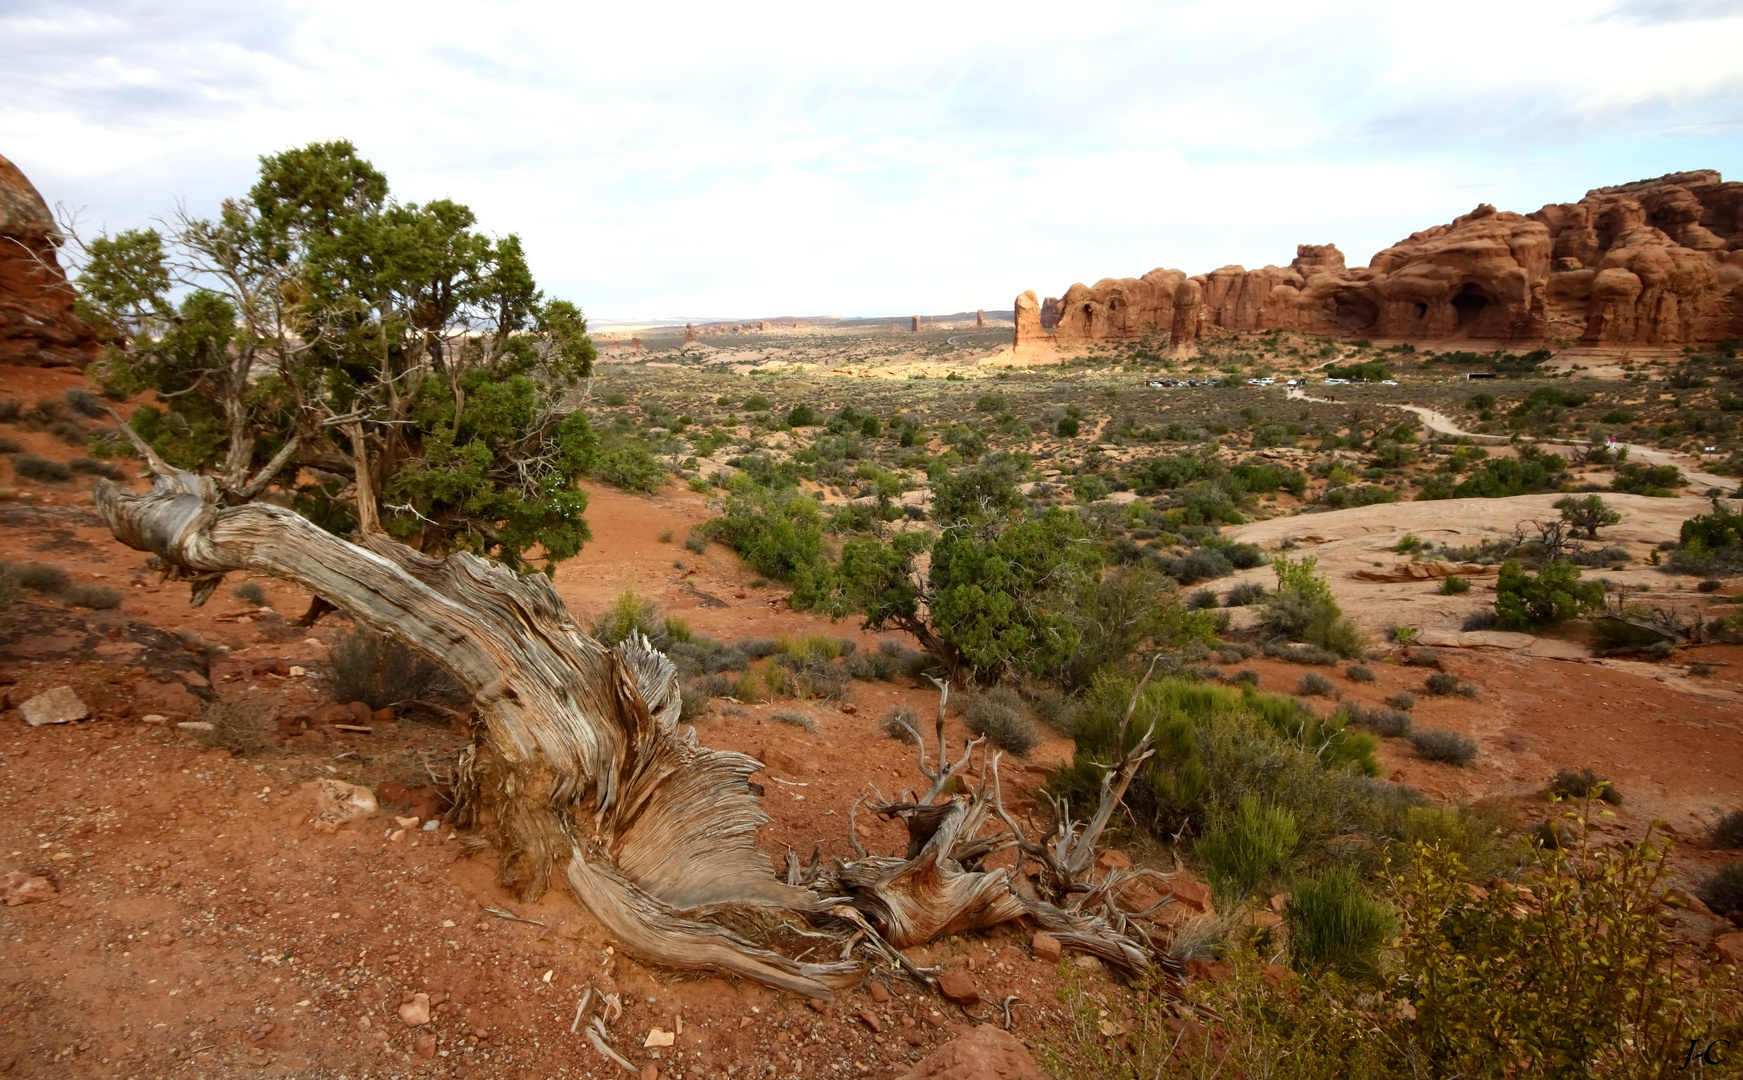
(803,158)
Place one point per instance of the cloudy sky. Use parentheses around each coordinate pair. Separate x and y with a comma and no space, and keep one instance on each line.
(736,160)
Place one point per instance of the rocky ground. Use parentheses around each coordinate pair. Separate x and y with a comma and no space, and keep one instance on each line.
(195,917)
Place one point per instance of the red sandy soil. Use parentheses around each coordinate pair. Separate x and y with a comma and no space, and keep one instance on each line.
(201,927)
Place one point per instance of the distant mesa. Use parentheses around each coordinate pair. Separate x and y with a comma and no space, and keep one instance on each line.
(38,327)
(1655,262)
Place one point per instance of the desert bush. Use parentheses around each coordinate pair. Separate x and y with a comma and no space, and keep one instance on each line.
(1439,744)
(1205,564)
(1556,594)
(1233,652)
(84,402)
(9,446)
(1654,480)
(1441,684)
(1485,619)
(713,684)
(1240,854)
(1399,634)
(90,467)
(1722,890)
(1357,673)
(756,648)
(1727,832)
(747,688)
(807,648)
(630,465)
(1453,585)
(873,666)
(1244,677)
(96,597)
(1201,600)
(1584,784)
(251,592)
(380,672)
(1313,684)
(1302,654)
(1387,723)
(1302,609)
(237,726)
(901,723)
(10,409)
(32,467)
(796,717)
(1336,925)
(630,613)
(696,543)
(69,432)
(1403,699)
(37,577)
(1587,514)
(998,714)
(1422,657)
(1245,594)
(693,695)
(1057,709)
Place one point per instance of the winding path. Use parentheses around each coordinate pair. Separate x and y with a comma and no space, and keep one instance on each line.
(1440,422)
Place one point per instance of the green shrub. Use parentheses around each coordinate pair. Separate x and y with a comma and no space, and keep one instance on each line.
(1239,855)
(1302,609)
(32,467)
(803,415)
(37,577)
(629,613)
(1453,585)
(1584,784)
(1313,684)
(1442,683)
(795,717)
(1722,891)
(1439,744)
(1245,594)
(1407,543)
(1554,595)
(1336,925)
(630,465)
(1403,699)
(998,714)
(1357,673)
(1727,832)
(1067,428)
(1587,514)
(1654,480)
(1386,723)
(756,403)
(1202,600)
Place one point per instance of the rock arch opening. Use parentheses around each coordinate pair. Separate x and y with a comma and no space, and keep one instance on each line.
(1353,311)
(1470,302)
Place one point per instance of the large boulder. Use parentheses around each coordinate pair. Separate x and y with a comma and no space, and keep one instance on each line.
(38,327)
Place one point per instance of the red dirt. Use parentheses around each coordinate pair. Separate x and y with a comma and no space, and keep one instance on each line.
(203,928)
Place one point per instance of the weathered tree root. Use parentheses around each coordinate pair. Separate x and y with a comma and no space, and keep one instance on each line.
(578,763)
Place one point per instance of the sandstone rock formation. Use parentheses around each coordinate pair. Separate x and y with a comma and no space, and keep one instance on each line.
(1655,262)
(37,325)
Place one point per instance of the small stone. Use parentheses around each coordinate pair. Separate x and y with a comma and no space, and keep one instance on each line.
(650,1071)
(1047,947)
(58,706)
(1113,860)
(416,1012)
(986,1052)
(958,987)
(154,718)
(406,822)
(871,1020)
(657,1037)
(1089,963)
(337,803)
(1727,948)
(425,1045)
(195,725)
(17,887)
(879,992)
(1192,894)
(297,671)
(819,1005)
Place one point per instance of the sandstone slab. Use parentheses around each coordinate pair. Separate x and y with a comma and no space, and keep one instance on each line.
(58,706)
(980,1053)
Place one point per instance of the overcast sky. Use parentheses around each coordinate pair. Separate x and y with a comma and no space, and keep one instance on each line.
(738,160)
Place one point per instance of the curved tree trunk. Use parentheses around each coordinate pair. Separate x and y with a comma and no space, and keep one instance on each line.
(578,765)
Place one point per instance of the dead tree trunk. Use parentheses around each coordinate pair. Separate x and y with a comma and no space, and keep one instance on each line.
(577,763)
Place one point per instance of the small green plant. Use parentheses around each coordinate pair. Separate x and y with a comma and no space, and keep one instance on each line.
(1442,684)
(629,613)
(1245,594)
(1556,594)
(1453,585)
(1067,428)
(696,543)
(1447,747)
(1584,784)
(746,688)
(1399,634)
(1202,600)
(1407,543)
(666,536)
(1336,925)
(1240,854)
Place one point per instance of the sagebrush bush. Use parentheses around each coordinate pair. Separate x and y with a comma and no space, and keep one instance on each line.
(1722,890)
(9,446)
(237,726)
(1313,684)
(693,695)
(1441,683)
(1453,585)
(1585,784)
(1302,654)
(630,613)
(1245,594)
(756,648)
(1439,744)
(37,577)
(1057,709)
(85,402)
(1486,619)
(1239,855)
(1336,925)
(873,666)
(10,408)
(901,723)
(96,597)
(380,672)
(747,688)
(32,467)
(251,592)
(1201,600)
(1727,832)
(91,467)
(1245,677)
(1387,723)
(998,714)
(1403,699)
(796,717)
(1356,673)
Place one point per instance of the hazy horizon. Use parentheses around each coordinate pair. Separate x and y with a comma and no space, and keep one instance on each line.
(789,158)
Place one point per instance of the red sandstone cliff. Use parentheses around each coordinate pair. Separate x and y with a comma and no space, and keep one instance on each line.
(37,325)
(1656,262)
